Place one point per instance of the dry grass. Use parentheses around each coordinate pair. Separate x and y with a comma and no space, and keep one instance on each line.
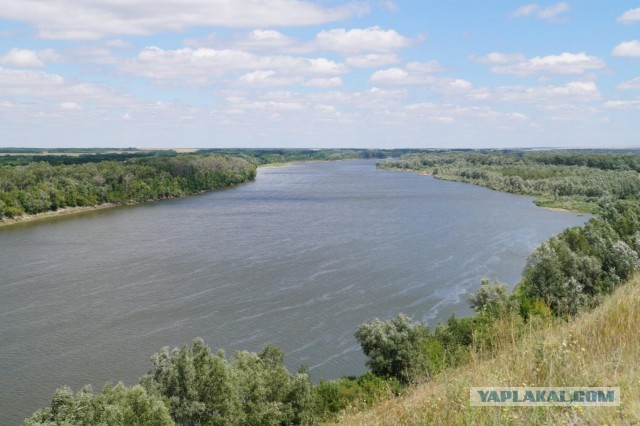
(597,348)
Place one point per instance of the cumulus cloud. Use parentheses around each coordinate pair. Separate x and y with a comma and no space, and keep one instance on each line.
(55,90)
(372,60)
(627,48)
(549,13)
(498,58)
(323,82)
(193,67)
(24,58)
(267,78)
(575,91)
(359,43)
(631,16)
(413,73)
(565,63)
(82,20)
(372,39)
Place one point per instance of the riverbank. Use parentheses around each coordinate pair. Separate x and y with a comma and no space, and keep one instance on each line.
(73,211)
(69,211)
(554,181)
(539,201)
(38,190)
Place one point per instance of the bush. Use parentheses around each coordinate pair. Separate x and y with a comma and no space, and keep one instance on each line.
(116,405)
(492,298)
(251,389)
(394,348)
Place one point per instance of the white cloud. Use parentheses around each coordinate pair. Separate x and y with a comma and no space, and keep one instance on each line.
(575,91)
(270,105)
(267,78)
(271,40)
(389,5)
(372,60)
(627,48)
(70,106)
(619,104)
(373,39)
(553,11)
(24,58)
(323,82)
(367,45)
(82,20)
(631,16)
(549,13)
(52,88)
(498,58)
(565,63)
(196,67)
(413,73)
(631,84)
(526,10)
(391,75)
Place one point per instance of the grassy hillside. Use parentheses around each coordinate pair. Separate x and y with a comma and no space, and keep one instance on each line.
(600,347)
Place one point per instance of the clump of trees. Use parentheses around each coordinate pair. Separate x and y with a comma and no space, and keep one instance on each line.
(193,386)
(578,267)
(117,405)
(40,187)
(409,352)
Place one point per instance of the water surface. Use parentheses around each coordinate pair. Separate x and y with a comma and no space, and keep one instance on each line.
(299,258)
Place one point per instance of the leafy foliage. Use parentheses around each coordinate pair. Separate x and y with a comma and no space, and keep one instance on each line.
(41,187)
(118,406)
(578,181)
(251,389)
(410,352)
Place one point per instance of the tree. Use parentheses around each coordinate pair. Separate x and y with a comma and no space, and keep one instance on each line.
(117,406)
(492,298)
(394,348)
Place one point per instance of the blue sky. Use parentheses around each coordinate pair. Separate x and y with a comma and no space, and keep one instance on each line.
(327,73)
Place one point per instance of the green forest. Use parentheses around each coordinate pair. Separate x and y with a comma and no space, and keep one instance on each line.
(40,186)
(580,180)
(36,181)
(569,273)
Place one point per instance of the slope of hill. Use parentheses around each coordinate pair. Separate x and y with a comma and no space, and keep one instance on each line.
(596,348)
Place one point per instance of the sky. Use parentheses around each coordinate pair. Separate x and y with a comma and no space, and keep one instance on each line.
(319,74)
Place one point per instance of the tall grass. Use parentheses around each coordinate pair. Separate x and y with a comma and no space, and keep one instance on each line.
(596,348)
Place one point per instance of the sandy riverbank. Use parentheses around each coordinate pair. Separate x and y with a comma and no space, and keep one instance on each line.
(25,218)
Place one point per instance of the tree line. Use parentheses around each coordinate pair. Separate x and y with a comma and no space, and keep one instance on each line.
(39,187)
(576,181)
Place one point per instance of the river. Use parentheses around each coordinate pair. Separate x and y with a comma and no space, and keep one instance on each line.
(299,258)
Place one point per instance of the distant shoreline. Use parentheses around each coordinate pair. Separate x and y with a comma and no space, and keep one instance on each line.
(72,211)
(68,211)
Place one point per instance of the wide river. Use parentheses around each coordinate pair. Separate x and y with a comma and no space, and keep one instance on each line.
(299,258)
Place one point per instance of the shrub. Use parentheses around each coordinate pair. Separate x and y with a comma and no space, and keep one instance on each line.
(394,348)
